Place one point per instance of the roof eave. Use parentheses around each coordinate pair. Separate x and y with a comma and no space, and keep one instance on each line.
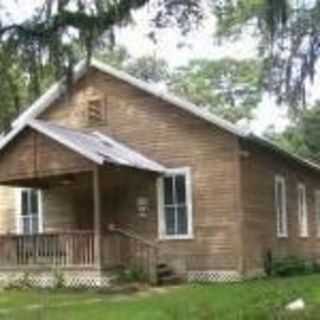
(272,146)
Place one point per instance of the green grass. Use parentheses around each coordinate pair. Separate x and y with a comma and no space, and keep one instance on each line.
(262,299)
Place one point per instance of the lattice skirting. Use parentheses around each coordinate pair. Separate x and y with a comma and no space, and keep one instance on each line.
(48,279)
(214,276)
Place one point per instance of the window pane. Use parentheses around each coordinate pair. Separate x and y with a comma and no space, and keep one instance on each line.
(280,207)
(35,224)
(180,189)
(24,203)
(182,220)
(34,202)
(170,220)
(26,225)
(168,190)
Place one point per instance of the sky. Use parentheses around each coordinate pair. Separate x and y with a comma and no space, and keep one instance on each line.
(201,45)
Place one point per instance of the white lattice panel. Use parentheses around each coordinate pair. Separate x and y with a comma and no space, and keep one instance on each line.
(213,276)
(72,279)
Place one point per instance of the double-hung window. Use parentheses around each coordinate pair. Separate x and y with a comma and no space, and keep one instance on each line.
(281,207)
(175,205)
(302,211)
(29,219)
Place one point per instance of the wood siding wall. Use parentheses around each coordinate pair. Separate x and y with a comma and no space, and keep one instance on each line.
(32,155)
(176,139)
(259,168)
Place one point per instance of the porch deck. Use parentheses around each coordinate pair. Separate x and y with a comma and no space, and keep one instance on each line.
(75,250)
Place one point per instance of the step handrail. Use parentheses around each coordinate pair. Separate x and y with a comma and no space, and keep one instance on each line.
(131,234)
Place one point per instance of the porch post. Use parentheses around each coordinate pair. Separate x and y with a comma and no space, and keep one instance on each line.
(97,217)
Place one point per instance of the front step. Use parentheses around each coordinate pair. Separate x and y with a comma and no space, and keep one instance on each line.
(166,275)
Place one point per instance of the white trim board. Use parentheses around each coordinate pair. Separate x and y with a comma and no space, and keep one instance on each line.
(281,212)
(18,194)
(186,171)
(303,221)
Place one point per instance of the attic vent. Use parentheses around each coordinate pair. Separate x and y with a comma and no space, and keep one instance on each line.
(96,111)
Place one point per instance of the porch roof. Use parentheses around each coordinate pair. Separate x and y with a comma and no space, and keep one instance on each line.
(94,146)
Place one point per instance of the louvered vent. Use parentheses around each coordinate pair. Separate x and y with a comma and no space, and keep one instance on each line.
(96,112)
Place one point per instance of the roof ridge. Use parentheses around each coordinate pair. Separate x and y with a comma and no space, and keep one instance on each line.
(55,91)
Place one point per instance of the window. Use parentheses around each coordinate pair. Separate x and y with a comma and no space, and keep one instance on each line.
(175,205)
(281,206)
(302,211)
(317,210)
(29,215)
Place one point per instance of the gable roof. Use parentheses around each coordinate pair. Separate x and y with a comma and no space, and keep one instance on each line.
(81,69)
(94,146)
(58,88)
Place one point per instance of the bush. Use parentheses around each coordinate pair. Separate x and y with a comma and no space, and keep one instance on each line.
(291,266)
(22,283)
(59,280)
(131,275)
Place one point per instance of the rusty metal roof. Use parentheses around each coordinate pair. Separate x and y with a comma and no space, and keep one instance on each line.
(96,146)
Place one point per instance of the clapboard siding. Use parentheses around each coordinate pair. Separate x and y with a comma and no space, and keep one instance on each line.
(33,155)
(174,138)
(259,168)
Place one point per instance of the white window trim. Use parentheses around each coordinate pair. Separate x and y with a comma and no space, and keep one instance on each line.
(161,214)
(282,181)
(18,195)
(303,233)
(317,210)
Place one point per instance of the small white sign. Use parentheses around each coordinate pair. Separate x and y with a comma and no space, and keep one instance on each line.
(142,206)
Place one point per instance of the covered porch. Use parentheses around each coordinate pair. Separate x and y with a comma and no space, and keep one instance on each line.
(96,205)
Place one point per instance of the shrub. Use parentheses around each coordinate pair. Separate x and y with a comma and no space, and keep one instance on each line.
(290,266)
(131,275)
(59,280)
(22,283)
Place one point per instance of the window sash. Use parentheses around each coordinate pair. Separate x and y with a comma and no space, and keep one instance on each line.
(29,224)
(29,211)
(281,206)
(302,211)
(180,227)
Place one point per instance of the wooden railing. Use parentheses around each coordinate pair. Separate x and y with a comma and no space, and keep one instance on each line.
(75,249)
(132,251)
(65,249)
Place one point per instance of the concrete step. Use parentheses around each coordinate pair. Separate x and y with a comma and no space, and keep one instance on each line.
(166,275)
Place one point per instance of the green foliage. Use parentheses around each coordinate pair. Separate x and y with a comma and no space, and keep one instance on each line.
(22,283)
(287,33)
(130,275)
(149,69)
(293,266)
(302,136)
(59,279)
(116,57)
(252,300)
(227,87)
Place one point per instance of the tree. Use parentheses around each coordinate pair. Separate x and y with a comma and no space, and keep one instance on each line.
(303,136)
(116,57)
(227,87)
(13,90)
(149,69)
(289,35)
(60,32)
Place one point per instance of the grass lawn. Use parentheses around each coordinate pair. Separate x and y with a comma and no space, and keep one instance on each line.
(262,299)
